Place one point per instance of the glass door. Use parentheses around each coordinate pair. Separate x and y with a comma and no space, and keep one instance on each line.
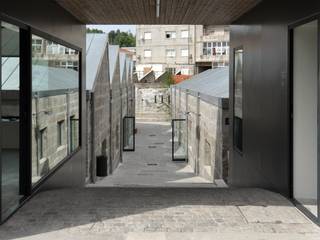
(128,133)
(10,118)
(179,140)
(305,82)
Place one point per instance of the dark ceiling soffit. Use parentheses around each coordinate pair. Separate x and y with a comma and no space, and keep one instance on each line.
(204,12)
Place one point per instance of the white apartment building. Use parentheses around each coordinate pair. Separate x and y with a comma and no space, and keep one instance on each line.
(185,49)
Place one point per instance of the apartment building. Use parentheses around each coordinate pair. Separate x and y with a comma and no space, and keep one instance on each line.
(184,49)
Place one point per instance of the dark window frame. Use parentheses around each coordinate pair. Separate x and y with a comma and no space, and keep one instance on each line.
(27,190)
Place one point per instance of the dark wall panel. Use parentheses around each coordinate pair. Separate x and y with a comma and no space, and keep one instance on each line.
(49,17)
(263,33)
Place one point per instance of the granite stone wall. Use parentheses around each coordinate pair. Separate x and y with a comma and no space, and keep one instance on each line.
(207,131)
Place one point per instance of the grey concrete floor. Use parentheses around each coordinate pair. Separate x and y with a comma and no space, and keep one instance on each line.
(158,213)
(161,201)
(151,163)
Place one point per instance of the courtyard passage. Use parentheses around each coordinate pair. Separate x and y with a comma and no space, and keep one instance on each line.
(158,214)
(151,163)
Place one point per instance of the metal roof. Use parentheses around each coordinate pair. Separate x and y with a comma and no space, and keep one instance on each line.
(213,82)
(96,48)
(113,60)
(60,78)
(123,66)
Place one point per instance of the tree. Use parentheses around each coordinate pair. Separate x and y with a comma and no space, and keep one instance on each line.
(123,39)
(94,30)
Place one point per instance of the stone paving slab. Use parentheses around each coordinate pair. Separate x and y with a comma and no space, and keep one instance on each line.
(158,213)
(151,163)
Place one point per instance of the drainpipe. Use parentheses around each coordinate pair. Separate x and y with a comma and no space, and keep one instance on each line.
(198,135)
(110,134)
(187,115)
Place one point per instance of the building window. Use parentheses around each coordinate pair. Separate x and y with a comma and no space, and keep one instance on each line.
(171,34)
(147,35)
(237,98)
(170,53)
(74,133)
(42,142)
(184,52)
(184,34)
(215,48)
(60,128)
(37,45)
(147,53)
(185,71)
(55,95)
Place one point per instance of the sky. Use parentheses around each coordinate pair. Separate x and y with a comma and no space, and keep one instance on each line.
(108,28)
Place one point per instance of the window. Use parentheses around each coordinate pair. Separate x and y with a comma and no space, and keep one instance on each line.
(74,133)
(184,34)
(37,45)
(185,71)
(147,35)
(171,34)
(184,52)
(147,53)
(42,142)
(237,105)
(170,53)
(215,48)
(60,128)
(55,95)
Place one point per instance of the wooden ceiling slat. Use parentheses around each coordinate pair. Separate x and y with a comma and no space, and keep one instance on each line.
(144,11)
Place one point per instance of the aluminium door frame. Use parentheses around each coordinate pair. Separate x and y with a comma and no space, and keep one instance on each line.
(291,29)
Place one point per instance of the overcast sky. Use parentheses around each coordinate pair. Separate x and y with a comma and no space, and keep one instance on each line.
(108,28)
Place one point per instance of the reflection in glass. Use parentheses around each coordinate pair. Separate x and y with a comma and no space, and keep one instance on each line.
(128,133)
(55,104)
(179,140)
(10,117)
(237,121)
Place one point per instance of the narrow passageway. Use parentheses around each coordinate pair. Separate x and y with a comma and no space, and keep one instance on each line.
(151,163)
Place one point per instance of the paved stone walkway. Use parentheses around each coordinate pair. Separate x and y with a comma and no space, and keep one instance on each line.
(158,213)
(151,163)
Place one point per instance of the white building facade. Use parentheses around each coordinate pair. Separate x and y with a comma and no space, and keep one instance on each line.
(185,49)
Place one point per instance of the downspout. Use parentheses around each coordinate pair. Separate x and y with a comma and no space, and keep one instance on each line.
(110,133)
(198,135)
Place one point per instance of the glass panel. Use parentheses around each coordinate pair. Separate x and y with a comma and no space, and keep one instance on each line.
(237,123)
(128,133)
(10,117)
(179,140)
(55,99)
(305,107)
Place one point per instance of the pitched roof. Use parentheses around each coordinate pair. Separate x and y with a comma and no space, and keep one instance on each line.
(113,59)
(213,82)
(96,48)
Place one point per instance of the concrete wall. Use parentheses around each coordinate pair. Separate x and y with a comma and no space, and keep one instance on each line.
(152,103)
(98,110)
(207,131)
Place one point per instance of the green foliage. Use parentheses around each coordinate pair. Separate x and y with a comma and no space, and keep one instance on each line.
(167,79)
(123,39)
(94,30)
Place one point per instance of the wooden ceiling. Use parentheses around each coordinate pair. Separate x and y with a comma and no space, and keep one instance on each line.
(205,12)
